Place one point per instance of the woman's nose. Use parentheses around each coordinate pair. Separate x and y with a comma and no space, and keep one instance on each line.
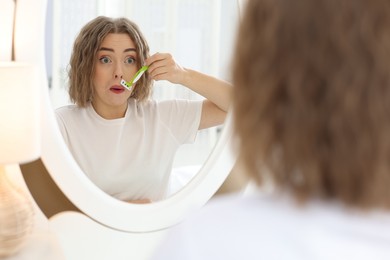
(118,73)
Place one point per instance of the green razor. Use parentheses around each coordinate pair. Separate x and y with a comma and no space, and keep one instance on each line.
(137,76)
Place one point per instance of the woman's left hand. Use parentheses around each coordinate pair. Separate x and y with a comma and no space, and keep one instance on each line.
(162,66)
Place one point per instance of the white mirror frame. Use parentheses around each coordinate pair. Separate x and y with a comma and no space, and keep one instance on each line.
(124,216)
(76,186)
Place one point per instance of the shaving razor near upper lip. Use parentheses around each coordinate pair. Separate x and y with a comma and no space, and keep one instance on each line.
(137,76)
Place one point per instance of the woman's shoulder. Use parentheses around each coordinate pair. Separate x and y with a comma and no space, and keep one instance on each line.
(260,223)
(280,212)
(70,111)
(66,109)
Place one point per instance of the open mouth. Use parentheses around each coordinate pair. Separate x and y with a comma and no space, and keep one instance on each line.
(117,89)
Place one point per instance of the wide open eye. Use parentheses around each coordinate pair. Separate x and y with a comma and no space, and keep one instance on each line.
(130,60)
(105,60)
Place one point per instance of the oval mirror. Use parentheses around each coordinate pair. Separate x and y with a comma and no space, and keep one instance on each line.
(199,34)
(80,193)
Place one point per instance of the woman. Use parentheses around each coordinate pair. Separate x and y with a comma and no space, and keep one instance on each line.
(312,116)
(124,141)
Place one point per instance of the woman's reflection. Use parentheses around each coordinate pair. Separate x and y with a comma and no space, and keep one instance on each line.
(124,141)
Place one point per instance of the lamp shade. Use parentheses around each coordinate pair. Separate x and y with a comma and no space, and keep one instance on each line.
(19,113)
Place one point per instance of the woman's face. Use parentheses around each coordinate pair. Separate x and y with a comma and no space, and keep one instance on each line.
(116,59)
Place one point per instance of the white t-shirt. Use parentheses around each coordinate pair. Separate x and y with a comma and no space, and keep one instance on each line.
(130,158)
(268,227)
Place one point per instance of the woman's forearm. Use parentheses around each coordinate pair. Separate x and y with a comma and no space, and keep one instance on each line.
(215,90)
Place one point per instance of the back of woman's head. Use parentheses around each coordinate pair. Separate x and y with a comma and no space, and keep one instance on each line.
(312,97)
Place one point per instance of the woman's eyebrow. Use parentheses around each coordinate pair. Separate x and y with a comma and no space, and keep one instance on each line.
(106,49)
(130,49)
(112,50)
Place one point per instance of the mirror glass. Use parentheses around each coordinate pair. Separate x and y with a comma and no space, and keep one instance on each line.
(199,34)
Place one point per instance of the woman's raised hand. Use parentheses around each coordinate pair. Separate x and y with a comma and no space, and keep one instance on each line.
(162,66)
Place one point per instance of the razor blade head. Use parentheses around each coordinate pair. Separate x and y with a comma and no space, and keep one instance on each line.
(126,85)
(137,76)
